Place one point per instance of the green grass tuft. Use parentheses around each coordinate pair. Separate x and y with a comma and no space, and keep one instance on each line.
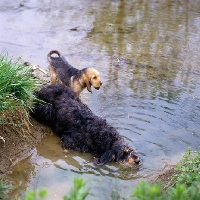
(77,192)
(188,169)
(16,85)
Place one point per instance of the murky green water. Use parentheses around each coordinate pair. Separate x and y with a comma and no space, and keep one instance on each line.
(148,55)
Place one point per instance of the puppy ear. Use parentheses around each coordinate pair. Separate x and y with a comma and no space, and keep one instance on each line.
(106,157)
(87,82)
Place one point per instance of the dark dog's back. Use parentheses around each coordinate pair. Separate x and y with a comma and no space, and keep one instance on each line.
(60,108)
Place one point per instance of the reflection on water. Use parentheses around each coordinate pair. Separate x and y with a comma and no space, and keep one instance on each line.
(49,166)
(148,55)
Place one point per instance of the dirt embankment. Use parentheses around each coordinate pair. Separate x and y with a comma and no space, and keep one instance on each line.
(19,135)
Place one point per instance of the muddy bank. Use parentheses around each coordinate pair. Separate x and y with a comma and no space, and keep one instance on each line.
(18,135)
(17,143)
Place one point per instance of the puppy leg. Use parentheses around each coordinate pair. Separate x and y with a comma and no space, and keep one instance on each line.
(53,75)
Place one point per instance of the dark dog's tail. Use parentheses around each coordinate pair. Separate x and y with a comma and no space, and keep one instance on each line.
(52,52)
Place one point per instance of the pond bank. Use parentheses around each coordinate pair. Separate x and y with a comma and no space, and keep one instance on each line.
(19,136)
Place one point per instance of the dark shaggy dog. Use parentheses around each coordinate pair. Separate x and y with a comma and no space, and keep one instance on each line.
(71,77)
(79,128)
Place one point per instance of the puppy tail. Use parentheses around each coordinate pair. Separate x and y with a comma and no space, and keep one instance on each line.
(52,52)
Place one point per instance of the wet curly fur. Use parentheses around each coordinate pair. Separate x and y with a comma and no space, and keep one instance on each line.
(79,128)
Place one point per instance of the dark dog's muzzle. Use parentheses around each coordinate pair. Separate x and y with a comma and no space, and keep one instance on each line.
(137,160)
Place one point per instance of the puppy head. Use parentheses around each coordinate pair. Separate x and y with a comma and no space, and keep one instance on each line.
(92,78)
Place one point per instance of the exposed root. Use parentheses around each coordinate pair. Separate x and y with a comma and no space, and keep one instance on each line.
(2,139)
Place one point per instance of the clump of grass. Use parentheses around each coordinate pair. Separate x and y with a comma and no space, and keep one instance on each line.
(185,184)
(36,194)
(77,192)
(147,191)
(188,169)
(16,85)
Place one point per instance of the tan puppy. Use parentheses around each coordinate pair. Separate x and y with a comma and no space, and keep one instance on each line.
(71,77)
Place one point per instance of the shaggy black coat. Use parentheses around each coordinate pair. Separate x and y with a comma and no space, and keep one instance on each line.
(79,128)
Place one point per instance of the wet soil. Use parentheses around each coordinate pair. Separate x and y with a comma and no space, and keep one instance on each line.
(16,145)
(164,177)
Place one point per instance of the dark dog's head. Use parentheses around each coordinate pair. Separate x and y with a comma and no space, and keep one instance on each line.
(128,156)
(120,153)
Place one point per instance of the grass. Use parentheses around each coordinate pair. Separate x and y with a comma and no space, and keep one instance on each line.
(16,85)
(147,191)
(188,169)
(77,192)
(185,183)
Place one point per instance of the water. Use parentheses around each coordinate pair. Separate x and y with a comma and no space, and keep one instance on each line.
(148,55)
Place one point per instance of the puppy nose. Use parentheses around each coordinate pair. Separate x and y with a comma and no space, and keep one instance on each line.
(101,83)
(137,161)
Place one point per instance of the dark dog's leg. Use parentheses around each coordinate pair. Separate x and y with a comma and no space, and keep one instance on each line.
(106,157)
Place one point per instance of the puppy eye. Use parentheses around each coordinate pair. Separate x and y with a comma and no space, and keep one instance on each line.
(94,77)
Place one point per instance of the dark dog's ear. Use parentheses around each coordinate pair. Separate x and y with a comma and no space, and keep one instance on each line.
(126,149)
(106,157)
(87,81)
